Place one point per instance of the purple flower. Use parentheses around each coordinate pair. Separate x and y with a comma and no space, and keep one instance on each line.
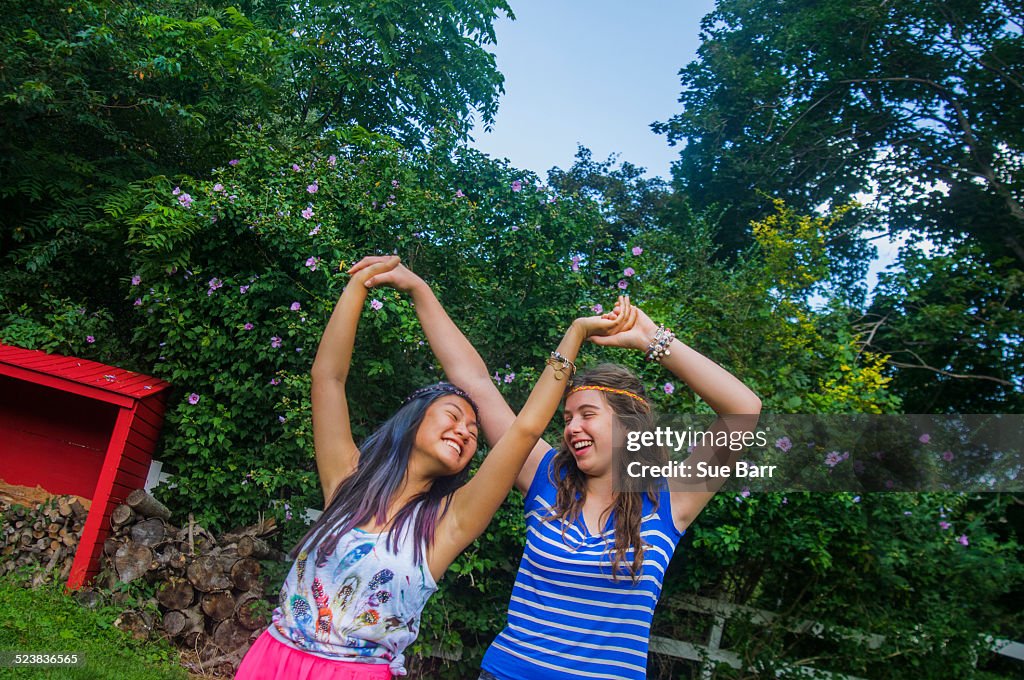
(138,302)
(944,525)
(515,228)
(623,284)
(783,444)
(376,305)
(243,289)
(233,161)
(315,230)
(313,188)
(394,183)
(332,160)
(575,263)
(597,309)
(193,398)
(947,456)
(669,388)
(308,212)
(295,167)
(275,342)
(275,381)
(962,540)
(248,326)
(628,271)
(89,339)
(312,263)
(177,190)
(517,186)
(497,378)
(835,458)
(856,499)
(459,194)
(185,200)
(925,438)
(136,280)
(281,419)
(215,283)
(637,250)
(218,187)
(510,377)
(295,307)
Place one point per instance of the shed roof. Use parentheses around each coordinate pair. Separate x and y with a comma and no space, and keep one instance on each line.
(84,372)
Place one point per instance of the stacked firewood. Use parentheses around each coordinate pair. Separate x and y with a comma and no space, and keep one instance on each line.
(209,591)
(43,535)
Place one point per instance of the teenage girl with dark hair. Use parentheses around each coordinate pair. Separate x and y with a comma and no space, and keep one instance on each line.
(398,510)
(595,556)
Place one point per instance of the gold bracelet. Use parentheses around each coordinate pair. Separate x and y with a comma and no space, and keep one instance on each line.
(559,364)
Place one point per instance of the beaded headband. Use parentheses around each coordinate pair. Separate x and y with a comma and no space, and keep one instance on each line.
(440,389)
(611,390)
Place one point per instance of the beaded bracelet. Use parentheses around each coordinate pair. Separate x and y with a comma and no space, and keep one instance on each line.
(659,347)
(560,365)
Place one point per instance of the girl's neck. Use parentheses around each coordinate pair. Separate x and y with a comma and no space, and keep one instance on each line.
(600,488)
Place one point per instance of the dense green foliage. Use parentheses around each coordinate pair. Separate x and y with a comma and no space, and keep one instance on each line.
(182,186)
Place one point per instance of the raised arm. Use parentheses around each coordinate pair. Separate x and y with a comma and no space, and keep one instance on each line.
(336,452)
(474,504)
(736,405)
(460,361)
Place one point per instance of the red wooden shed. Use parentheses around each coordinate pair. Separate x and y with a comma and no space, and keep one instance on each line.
(74,426)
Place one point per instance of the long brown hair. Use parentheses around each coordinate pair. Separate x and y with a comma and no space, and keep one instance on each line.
(571,483)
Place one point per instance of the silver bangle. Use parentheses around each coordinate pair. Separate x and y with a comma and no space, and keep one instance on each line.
(659,347)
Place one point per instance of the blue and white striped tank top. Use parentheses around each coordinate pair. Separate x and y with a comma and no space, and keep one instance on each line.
(567,618)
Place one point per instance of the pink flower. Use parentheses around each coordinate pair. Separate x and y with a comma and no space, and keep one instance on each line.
(275,342)
(510,377)
(177,190)
(215,283)
(597,309)
(138,302)
(623,284)
(243,289)
(783,444)
(515,228)
(669,388)
(193,398)
(295,167)
(185,200)
(925,438)
(315,230)
(459,194)
(89,339)
(332,160)
(248,326)
(233,161)
(637,250)
(947,456)
(394,183)
(963,540)
(275,381)
(312,263)
(517,186)
(944,525)
(308,212)
(313,188)
(629,271)
(376,305)
(295,307)
(218,187)
(835,458)
(575,263)
(136,280)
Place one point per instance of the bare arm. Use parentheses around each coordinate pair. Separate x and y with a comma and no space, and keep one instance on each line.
(736,405)
(460,361)
(336,452)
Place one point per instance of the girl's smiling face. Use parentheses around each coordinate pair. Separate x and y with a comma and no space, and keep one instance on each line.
(448,435)
(588,431)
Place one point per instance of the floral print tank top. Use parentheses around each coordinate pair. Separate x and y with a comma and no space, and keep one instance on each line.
(360,603)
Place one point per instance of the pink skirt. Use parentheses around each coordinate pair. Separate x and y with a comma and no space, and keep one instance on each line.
(269,659)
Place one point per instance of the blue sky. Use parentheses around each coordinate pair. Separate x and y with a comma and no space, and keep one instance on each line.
(590,72)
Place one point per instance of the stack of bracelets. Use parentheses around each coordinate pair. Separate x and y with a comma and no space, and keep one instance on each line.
(658,349)
(560,365)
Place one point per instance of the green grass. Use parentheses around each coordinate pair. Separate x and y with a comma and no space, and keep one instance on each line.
(47,621)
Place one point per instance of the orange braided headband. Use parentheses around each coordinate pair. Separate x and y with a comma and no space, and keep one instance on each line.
(612,390)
